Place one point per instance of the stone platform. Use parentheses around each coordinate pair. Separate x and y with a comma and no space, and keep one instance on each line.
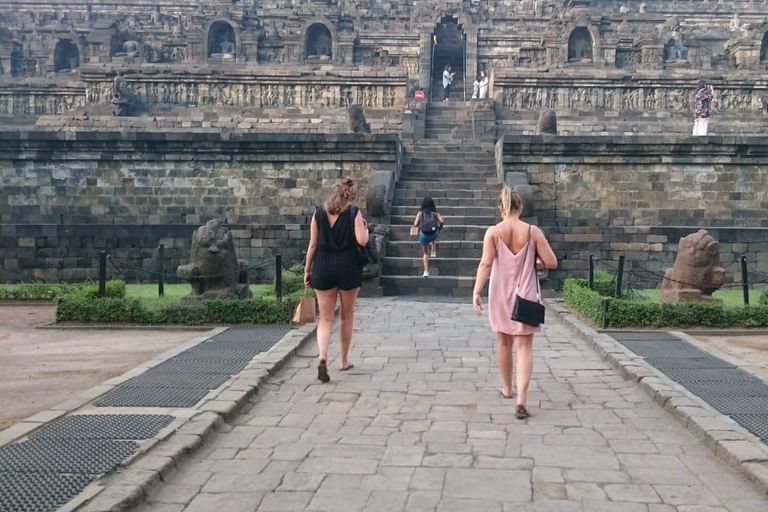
(419,425)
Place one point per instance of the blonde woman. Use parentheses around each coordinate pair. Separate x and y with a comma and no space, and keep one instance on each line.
(333,269)
(512,251)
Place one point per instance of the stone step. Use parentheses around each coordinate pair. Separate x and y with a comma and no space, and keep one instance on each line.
(436,186)
(442,202)
(457,174)
(445,248)
(445,267)
(455,147)
(478,220)
(443,286)
(450,233)
(449,211)
(471,195)
(457,159)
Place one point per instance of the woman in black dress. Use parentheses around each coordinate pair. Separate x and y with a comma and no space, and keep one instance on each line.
(333,268)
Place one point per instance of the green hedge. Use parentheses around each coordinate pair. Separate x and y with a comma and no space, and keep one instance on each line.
(630,313)
(87,308)
(50,291)
(764,297)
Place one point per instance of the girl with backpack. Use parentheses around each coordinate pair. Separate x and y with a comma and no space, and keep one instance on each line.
(429,222)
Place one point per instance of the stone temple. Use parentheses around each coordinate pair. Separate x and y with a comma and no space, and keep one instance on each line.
(125,125)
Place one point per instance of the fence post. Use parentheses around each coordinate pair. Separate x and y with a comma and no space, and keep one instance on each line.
(591,272)
(161,270)
(279,277)
(745,280)
(620,276)
(604,320)
(102,273)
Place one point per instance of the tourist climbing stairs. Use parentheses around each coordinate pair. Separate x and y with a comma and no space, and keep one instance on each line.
(458,172)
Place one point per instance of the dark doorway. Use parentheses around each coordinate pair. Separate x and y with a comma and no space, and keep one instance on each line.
(764,49)
(66,56)
(448,49)
(580,46)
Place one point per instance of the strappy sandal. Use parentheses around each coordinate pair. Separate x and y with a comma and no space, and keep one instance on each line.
(322,372)
(521,412)
(349,367)
(506,397)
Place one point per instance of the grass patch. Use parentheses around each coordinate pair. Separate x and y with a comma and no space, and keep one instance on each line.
(730,297)
(174,293)
(642,311)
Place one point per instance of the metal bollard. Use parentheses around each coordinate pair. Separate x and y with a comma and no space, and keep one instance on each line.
(591,272)
(279,277)
(160,270)
(102,273)
(620,277)
(745,280)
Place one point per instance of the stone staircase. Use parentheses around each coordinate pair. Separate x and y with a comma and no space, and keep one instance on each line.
(458,172)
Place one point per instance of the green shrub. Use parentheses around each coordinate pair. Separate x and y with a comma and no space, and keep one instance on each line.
(293,280)
(84,307)
(631,313)
(764,297)
(50,291)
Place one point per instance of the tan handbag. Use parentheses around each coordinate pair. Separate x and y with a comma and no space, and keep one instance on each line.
(305,309)
(414,230)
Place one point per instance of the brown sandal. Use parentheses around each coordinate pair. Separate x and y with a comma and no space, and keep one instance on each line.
(521,412)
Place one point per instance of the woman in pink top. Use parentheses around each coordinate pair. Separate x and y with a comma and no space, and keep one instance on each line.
(509,251)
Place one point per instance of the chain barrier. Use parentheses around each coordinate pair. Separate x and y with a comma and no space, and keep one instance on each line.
(640,274)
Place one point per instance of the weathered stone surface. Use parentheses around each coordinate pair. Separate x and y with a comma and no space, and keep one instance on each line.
(697,272)
(214,269)
(547,123)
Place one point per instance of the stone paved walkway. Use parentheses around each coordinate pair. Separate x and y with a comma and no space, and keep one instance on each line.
(419,425)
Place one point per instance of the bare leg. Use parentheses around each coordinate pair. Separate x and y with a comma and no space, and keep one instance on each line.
(348,298)
(425,257)
(524,347)
(504,356)
(326,301)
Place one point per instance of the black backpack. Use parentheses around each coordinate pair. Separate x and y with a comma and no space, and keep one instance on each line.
(429,224)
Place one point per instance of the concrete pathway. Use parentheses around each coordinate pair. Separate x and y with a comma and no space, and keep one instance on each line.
(419,425)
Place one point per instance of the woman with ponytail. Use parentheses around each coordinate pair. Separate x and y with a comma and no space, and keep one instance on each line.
(509,251)
(333,268)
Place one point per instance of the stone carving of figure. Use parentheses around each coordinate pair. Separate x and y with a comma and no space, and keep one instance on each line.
(735,22)
(697,272)
(121,97)
(290,96)
(227,49)
(131,48)
(215,273)
(272,96)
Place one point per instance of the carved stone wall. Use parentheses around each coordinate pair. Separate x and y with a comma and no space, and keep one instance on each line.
(127,192)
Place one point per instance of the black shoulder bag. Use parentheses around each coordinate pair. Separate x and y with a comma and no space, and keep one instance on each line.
(362,251)
(526,311)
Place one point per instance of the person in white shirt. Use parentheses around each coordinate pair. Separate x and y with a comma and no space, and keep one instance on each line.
(476,88)
(447,81)
(483,85)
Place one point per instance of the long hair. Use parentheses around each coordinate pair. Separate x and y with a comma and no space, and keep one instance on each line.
(428,204)
(344,194)
(702,84)
(510,201)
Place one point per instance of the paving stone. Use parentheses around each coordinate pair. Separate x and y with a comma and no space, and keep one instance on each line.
(285,501)
(231,502)
(386,501)
(403,456)
(339,466)
(459,505)
(632,493)
(335,500)
(686,495)
(298,482)
(488,484)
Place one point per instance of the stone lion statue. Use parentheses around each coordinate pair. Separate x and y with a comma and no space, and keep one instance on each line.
(356,122)
(697,273)
(214,270)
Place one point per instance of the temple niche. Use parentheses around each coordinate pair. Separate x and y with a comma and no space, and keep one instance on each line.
(764,49)
(221,40)
(580,46)
(66,56)
(318,43)
(674,50)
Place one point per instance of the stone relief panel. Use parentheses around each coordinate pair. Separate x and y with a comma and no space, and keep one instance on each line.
(670,99)
(25,104)
(193,94)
